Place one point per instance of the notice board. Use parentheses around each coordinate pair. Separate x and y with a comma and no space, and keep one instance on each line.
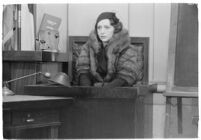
(182,77)
(186,52)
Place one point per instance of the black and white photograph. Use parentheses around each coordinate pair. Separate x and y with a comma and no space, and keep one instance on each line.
(114,70)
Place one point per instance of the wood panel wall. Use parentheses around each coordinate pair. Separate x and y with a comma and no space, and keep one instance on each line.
(12,70)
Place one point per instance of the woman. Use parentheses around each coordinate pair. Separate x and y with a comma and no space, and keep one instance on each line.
(108,59)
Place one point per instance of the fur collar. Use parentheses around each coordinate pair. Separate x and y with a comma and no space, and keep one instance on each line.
(118,42)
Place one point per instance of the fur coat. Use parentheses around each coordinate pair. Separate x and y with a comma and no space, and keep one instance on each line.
(123,60)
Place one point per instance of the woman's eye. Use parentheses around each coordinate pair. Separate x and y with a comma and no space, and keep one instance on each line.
(107,27)
(99,27)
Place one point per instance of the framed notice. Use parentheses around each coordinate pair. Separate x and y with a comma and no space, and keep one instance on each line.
(50,22)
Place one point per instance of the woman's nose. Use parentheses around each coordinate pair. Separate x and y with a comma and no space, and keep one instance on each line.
(102,31)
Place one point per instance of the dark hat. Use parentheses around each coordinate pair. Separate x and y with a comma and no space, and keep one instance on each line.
(107,15)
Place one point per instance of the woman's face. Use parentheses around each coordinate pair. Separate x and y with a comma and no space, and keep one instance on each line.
(105,30)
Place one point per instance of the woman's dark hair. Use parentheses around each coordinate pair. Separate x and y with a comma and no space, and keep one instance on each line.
(117,26)
(114,21)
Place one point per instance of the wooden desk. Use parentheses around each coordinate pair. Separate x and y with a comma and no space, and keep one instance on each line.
(103,112)
(26,116)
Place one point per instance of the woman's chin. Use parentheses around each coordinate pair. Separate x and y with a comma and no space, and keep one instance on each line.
(105,40)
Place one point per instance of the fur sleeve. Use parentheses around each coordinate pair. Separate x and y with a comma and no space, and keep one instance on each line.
(130,66)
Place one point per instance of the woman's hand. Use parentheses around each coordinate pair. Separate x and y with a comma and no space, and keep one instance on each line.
(99,84)
(115,83)
(108,77)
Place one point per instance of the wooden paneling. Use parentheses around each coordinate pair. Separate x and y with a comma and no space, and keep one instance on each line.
(22,55)
(21,69)
(103,113)
(31,56)
(144,116)
(83,92)
(12,70)
(108,118)
(6,73)
(20,63)
(99,119)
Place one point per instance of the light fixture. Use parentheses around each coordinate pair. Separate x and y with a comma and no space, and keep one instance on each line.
(62,79)
(7,91)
